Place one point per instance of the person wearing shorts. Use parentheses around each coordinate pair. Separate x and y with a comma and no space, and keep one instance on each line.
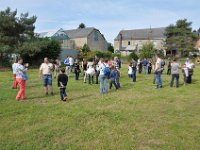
(45,73)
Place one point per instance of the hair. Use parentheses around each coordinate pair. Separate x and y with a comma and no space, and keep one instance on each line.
(63,70)
(158,55)
(112,67)
(174,59)
(19,58)
(106,60)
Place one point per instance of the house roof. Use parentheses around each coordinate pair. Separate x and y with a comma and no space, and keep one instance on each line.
(141,34)
(79,33)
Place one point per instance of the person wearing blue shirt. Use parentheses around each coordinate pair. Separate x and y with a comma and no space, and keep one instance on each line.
(113,77)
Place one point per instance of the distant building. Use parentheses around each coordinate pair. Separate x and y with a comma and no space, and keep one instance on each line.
(73,40)
(128,41)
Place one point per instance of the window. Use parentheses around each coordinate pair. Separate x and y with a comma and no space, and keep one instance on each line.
(129,43)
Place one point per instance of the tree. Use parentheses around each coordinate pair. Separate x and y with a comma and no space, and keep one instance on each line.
(110,48)
(14,31)
(81,26)
(36,49)
(180,37)
(147,50)
(85,48)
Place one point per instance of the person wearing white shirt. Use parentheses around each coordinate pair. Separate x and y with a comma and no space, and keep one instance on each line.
(158,71)
(90,74)
(14,86)
(103,78)
(71,63)
(45,72)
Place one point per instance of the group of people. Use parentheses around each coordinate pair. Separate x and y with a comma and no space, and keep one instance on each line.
(101,70)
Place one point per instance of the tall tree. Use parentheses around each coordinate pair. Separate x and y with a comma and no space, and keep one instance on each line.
(110,48)
(14,30)
(81,26)
(180,37)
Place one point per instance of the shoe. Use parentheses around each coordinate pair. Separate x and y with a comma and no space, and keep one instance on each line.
(18,99)
(65,98)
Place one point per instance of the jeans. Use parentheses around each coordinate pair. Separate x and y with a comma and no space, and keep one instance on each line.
(103,84)
(112,81)
(22,86)
(169,71)
(177,80)
(158,79)
(97,77)
(84,75)
(145,70)
(63,93)
(89,79)
(47,80)
(134,75)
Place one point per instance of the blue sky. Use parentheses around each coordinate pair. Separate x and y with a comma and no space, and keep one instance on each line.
(109,16)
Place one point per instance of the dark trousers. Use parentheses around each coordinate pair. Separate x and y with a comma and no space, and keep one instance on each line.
(134,75)
(89,79)
(63,93)
(112,81)
(76,75)
(169,71)
(149,70)
(175,76)
(97,77)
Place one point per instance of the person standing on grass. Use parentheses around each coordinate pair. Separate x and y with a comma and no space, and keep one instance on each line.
(169,67)
(90,74)
(130,71)
(66,62)
(158,71)
(149,67)
(14,86)
(85,67)
(134,69)
(45,73)
(103,76)
(21,78)
(97,71)
(175,73)
(117,77)
(113,76)
(77,70)
(57,65)
(62,83)
(71,63)
(145,66)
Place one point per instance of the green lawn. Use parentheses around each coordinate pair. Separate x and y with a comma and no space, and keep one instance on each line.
(136,117)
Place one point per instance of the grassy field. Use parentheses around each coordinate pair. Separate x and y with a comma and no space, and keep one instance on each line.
(138,116)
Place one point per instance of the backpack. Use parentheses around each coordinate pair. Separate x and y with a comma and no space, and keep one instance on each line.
(106,71)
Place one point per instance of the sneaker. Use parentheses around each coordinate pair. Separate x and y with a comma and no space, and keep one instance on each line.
(65,98)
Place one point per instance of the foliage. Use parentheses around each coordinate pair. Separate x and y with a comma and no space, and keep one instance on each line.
(14,31)
(180,37)
(81,26)
(134,56)
(35,50)
(147,50)
(110,48)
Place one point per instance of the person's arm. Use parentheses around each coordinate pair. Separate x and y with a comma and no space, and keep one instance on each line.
(40,72)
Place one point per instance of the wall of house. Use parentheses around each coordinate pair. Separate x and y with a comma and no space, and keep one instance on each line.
(96,41)
(79,42)
(157,43)
(68,44)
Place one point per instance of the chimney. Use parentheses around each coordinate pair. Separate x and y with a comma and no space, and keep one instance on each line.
(120,41)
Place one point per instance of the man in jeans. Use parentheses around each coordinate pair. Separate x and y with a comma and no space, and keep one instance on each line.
(175,73)
(45,72)
(103,78)
(134,69)
(158,72)
(145,65)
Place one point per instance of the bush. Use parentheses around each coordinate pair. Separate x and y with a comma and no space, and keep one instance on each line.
(134,56)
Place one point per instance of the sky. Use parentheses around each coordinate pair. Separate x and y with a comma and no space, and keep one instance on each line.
(109,16)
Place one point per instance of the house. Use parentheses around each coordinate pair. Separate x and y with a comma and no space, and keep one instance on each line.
(128,41)
(73,40)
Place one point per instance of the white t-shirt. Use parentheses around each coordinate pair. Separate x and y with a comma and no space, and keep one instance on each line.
(46,68)
(90,71)
(130,70)
(14,66)
(101,68)
(71,61)
(158,64)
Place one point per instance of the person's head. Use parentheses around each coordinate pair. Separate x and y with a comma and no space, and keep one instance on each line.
(63,70)
(106,60)
(46,60)
(20,60)
(174,59)
(157,55)
(130,64)
(112,68)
